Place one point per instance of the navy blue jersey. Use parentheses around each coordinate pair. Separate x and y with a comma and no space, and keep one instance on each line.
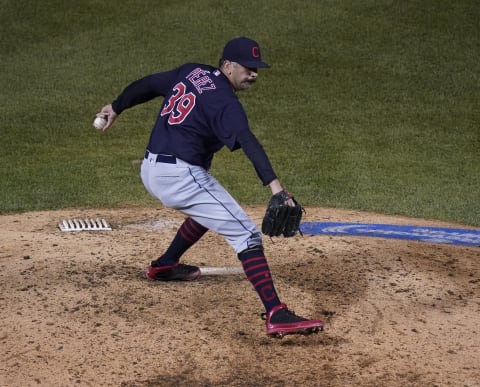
(199,115)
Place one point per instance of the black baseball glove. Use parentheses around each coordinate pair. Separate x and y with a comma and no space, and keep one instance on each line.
(280,218)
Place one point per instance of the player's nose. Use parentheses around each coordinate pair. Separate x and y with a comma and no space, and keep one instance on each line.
(252,71)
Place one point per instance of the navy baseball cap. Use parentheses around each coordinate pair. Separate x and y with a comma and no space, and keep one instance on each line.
(244,51)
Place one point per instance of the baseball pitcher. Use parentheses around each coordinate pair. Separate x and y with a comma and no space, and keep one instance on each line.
(199,115)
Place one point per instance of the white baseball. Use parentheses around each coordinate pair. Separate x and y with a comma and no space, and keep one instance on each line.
(99,122)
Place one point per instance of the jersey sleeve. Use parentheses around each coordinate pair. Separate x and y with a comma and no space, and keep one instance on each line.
(233,130)
(144,90)
(230,120)
(256,154)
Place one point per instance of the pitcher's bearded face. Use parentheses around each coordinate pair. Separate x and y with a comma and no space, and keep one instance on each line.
(241,77)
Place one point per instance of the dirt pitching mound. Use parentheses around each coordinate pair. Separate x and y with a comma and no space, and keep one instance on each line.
(76,310)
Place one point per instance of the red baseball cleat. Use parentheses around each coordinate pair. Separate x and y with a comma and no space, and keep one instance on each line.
(281,321)
(178,272)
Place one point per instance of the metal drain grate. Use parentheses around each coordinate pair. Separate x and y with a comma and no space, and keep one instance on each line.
(84,225)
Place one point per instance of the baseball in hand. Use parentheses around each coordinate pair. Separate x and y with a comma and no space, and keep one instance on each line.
(99,122)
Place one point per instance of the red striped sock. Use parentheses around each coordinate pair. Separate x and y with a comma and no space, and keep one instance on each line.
(258,273)
(187,235)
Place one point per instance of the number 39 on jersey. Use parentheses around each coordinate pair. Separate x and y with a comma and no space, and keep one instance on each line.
(179,105)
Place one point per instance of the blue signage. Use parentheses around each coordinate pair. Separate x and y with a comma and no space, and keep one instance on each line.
(454,236)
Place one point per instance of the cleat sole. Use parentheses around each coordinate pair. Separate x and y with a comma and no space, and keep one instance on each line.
(304,332)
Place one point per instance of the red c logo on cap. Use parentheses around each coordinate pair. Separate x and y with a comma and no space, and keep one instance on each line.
(255,52)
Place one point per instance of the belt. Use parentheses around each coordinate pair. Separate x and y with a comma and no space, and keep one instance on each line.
(161,158)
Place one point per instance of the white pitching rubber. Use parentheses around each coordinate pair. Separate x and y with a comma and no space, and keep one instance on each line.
(225,270)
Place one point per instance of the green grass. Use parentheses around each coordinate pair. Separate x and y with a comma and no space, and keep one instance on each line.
(369,105)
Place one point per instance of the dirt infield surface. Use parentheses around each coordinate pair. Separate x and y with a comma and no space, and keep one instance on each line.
(75,309)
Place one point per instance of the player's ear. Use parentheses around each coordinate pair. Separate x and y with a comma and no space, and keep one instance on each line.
(227,67)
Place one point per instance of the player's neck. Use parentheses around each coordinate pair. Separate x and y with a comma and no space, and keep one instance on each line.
(228,76)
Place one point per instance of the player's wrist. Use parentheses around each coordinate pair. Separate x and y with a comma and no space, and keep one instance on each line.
(275,186)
